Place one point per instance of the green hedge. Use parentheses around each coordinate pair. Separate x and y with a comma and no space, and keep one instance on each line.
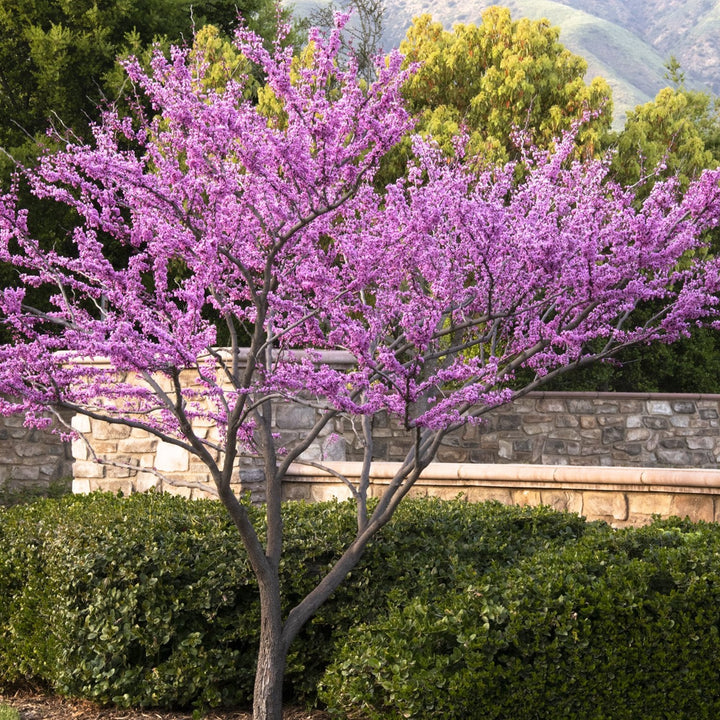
(149,600)
(456,611)
(618,625)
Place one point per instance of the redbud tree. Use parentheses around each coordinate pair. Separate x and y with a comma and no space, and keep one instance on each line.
(442,286)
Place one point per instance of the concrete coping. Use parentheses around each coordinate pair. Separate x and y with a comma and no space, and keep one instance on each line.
(572,475)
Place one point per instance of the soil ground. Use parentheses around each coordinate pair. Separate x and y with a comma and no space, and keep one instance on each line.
(32,706)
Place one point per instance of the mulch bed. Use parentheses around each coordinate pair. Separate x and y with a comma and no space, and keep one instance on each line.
(32,706)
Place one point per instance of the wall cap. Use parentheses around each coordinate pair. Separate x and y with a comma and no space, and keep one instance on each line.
(570,475)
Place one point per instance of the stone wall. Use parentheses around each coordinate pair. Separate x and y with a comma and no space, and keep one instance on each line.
(572,428)
(558,429)
(31,458)
(138,461)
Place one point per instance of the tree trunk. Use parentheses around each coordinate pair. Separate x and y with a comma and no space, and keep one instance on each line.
(272,656)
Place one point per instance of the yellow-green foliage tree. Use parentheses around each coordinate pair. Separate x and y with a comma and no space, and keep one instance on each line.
(499,74)
(679,128)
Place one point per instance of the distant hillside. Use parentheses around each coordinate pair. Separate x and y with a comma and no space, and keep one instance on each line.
(627,42)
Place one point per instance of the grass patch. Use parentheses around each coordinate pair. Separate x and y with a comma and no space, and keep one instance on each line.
(8,713)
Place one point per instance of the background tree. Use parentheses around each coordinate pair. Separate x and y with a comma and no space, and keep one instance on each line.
(496,75)
(678,129)
(441,287)
(56,55)
(363,35)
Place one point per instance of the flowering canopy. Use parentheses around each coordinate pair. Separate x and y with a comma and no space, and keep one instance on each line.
(441,286)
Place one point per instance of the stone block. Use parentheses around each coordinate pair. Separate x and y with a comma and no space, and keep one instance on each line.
(700,443)
(81,423)
(147,461)
(137,445)
(171,458)
(326,491)
(696,507)
(563,500)
(79,450)
(659,407)
(674,457)
(104,448)
(638,434)
(680,421)
(655,423)
(606,409)
(551,405)
(588,422)
(646,504)
(54,471)
(566,421)
(313,454)
(179,490)
(509,422)
(548,459)
(633,450)
(109,431)
(294,417)
(708,414)
(553,446)
(505,449)
(88,469)
(485,494)
(112,471)
(199,471)
(295,491)
(145,481)
(633,421)
(684,407)
(613,434)
(29,449)
(573,448)
(526,497)
(123,485)
(15,421)
(445,492)
(608,506)
(470,432)
(673,443)
(538,428)
(333,448)
(522,446)
(578,406)
(611,421)
(252,476)
(81,486)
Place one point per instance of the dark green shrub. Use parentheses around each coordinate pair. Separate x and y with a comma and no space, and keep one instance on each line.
(428,547)
(146,600)
(616,625)
(19,496)
(27,598)
(149,600)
